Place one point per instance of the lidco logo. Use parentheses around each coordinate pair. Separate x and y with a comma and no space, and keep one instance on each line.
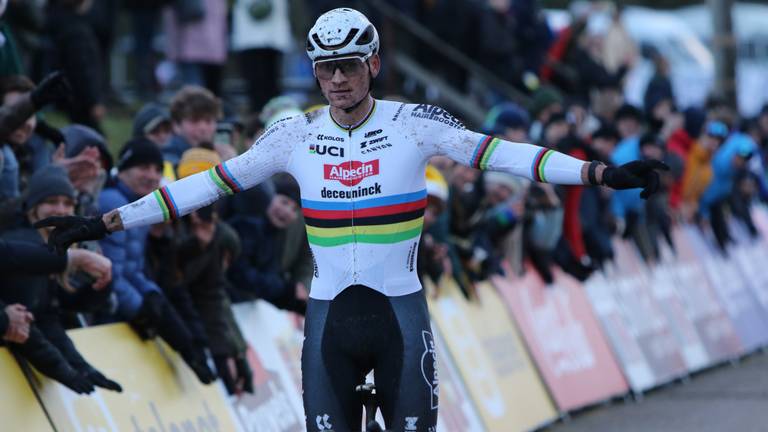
(352,172)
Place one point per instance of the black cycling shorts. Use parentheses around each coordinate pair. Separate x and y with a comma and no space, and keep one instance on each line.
(363,330)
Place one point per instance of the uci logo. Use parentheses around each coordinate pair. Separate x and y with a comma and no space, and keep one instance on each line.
(326,149)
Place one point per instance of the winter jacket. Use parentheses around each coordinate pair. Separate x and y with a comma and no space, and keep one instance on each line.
(698,174)
(723,170)
(679,144)
(202,41)
(126,251)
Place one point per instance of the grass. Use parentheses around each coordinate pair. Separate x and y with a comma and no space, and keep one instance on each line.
(117,126)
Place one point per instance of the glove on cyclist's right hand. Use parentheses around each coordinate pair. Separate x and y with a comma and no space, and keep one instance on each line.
(72,229)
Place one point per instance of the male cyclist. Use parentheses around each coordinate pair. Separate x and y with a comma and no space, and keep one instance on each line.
(360,164)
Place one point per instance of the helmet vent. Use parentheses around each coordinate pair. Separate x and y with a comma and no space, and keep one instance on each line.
(366,37)
(351,35)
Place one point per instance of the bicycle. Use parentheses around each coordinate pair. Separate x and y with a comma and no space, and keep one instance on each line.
(367,393)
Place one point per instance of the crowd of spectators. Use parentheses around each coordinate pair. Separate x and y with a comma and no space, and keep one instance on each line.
(178,280)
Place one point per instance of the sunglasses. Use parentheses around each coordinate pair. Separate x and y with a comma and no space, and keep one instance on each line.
(349,67)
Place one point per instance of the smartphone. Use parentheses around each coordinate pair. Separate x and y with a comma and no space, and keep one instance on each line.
(223,136)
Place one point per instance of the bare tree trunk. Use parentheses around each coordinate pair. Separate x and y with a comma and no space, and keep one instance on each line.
(724,47)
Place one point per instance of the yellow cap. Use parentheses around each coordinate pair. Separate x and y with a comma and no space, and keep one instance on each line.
(196,160)
(436,184)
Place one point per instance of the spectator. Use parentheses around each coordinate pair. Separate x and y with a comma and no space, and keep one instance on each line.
(194,111)
(261,220)
(433,258)
(260,37)
(546,102)
(726,163)
(139,299)
(698,167)
(10,61)
(86,143)
(49,348)
(680,144)
(153,121)
(76,52)
(145,20)
(198,43)
(189,262)
(509,121)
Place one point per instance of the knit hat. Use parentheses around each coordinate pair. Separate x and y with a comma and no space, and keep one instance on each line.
(694,121)
(196,160)
(149,117)
(543,98)
(436,184)
(51,180)
(139,151)
(506,116)
(286,185)
(628,111)
(77,137)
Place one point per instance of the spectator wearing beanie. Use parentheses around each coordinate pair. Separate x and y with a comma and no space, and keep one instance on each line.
(154,122)
(508,121)
(191,260)
(139,299)
(49,348)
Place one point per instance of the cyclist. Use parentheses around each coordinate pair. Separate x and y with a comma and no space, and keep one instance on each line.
(360,164)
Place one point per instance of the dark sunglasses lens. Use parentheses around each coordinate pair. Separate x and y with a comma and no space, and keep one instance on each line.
(349,67)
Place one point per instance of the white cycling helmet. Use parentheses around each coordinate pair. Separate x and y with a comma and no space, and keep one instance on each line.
(342,32)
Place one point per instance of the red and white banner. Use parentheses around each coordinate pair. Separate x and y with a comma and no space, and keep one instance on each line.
(564,337)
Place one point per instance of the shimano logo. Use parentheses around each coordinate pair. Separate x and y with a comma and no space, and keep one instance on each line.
(322,149)
(373,133)
(321,137)
(352,172)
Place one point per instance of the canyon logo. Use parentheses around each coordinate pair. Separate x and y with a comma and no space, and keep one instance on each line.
(352,172)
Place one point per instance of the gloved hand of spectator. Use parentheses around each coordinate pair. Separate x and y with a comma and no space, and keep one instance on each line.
(73,229)
(635,174)
(78,383)
(149,315)
(235,374)
(197,362)
(18,323)
(98,379)
(52,88)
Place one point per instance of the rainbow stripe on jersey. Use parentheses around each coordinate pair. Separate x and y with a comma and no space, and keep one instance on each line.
(382,220)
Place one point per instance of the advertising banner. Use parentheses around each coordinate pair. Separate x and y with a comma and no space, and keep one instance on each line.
(733,291)
(642,313)
(20,409)
(490,356)
(564,338)
(662,282)
(274,339)
(160,393)
(457,412)
(750,255)
(701,303)
(605,303)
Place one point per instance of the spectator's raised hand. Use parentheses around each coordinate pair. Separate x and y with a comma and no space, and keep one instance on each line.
(52,88)
(19,320)
(82,169)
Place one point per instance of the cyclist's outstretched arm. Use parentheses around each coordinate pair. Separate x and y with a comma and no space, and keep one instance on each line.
(270,153)
(452,139)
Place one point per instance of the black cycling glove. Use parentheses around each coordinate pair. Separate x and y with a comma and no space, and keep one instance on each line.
(52,88)
(73,229)
(635,174)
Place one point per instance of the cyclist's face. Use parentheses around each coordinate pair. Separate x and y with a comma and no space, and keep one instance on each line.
(345,81)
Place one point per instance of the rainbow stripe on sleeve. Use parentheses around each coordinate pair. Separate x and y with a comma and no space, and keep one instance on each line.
(223,178)
(539,162)
(483,152)
(167,203)
(384,220)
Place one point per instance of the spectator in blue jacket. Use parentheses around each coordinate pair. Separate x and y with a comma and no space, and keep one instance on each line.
(139,300)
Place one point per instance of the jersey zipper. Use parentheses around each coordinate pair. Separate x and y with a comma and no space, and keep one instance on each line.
(355,271)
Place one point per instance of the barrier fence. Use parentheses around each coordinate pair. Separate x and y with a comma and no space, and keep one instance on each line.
(516,358)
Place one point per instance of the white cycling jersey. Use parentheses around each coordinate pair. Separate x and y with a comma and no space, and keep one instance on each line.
(363,191)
